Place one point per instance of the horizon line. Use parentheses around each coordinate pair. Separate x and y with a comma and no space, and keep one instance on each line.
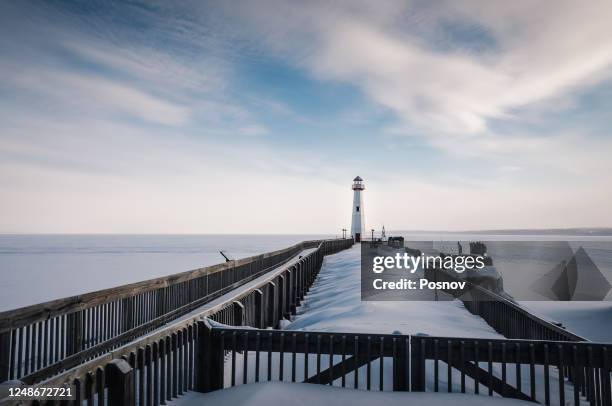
(598,231)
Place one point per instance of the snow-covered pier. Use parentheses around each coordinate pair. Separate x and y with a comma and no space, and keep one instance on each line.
(58,339)
(334,304)
(338,340)
(300,319)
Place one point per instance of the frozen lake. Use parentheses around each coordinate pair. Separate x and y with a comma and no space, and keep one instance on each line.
(38,268)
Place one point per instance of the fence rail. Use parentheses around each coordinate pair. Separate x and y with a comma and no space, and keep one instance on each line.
(44,338)
(504,316)
(548,372)
(204,356)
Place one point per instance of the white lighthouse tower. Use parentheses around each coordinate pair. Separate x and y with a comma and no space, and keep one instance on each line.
(358,223)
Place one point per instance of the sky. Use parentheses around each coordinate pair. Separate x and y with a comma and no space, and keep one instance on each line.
(255,116)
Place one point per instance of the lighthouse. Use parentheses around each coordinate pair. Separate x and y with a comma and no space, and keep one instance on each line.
(357,224)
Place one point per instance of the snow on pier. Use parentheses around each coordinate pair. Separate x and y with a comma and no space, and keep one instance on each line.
(334,304)
(303,394)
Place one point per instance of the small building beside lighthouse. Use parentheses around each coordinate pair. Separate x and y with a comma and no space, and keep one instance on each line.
(357,222)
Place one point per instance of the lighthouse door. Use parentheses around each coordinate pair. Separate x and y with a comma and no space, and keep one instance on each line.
(357,237)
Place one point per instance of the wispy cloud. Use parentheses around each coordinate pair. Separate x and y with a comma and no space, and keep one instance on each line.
(377,48)
(87,93)
(218,106)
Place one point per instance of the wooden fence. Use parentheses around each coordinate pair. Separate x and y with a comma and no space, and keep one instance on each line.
(171,349)
(44,338)
(505,316)
(531,370)
(205,356)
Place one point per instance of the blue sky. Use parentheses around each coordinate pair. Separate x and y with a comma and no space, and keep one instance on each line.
(253,117)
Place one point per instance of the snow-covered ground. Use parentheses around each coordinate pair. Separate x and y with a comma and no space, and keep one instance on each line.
(301,394)
(334,304)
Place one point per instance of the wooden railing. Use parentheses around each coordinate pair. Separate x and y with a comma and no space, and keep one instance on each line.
(204,357)
(513,321)
(540,371)
(71,330)
(265,303)
(342,359)
(505,316)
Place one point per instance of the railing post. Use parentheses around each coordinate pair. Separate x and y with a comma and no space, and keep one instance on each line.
(120,381)
(238,313)
(272,301)
(300,281)
(282,295)
(69,328)
(417,364)
(210,360)
(78,322)
(303,285)
(5,352)
(290,292)
(311,275)
(259,308)
(400,364)
(75,332)
(159,302)
(124,312)
(294,289)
